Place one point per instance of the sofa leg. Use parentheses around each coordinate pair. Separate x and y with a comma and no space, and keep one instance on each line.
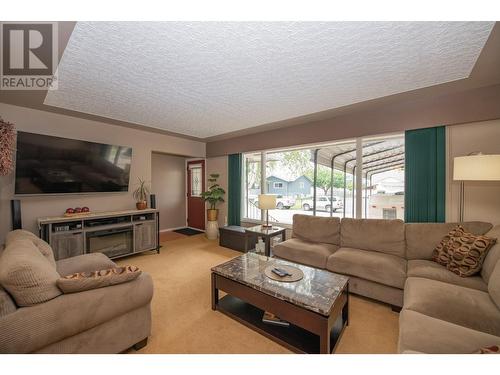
(396,308)
(141,344)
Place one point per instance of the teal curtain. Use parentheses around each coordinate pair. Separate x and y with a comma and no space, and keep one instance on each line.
(235,170)
(425,177)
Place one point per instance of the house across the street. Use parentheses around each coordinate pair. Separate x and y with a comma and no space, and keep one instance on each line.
(300,187)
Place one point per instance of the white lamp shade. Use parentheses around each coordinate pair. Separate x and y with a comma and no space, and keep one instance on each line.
(267,201)
(477,168)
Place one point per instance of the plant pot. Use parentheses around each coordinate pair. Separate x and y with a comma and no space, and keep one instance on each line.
(212,215)
(141,205)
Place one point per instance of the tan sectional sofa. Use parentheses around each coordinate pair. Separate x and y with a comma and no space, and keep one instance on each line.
(104,320)
(390,261)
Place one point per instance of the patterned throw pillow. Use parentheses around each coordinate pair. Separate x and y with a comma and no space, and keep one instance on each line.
(462,252)
(79,282)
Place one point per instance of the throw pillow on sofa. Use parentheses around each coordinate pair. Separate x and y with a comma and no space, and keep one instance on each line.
(462,252)
(79,282)
(27,275)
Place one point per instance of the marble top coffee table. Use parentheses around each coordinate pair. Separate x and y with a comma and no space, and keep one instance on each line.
(316,306)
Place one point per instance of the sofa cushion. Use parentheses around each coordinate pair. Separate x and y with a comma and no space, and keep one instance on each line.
(305,252)
(7,305)
(84,263)
(316,229)
(467,307)
(27,275)
(369,265)
(493,255)
(380,292)
(494,285)
(431,270)
(422,238)
(422,333)
(44,247)
(385,236)
(462,252)
(79,282)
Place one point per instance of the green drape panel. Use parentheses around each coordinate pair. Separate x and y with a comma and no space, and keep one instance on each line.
(234,166)
(425,175)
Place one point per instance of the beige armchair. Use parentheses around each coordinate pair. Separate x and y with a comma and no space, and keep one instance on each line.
(105,320)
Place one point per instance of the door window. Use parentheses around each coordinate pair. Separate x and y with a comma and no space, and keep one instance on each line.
(196,180)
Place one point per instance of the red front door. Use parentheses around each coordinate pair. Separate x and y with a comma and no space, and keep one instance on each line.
(196,185)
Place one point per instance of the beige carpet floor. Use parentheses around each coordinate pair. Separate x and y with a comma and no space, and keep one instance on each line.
(183,321)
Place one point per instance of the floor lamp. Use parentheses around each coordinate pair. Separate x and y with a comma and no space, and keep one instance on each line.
(474,167)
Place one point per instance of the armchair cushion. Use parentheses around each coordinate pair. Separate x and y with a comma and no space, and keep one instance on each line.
(44,247)
(30,329)
(84,263)
(27,275)
(7,306)
(79,282)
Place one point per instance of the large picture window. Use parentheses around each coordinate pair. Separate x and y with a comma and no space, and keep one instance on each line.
(322,180)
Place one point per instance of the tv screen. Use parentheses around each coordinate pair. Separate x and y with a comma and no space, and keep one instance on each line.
(53,165)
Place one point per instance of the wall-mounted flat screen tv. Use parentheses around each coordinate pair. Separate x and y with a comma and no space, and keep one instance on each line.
(54,165)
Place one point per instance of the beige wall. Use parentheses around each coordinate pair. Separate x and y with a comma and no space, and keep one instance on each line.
(482,198)
(168,182)
(219,165)
(142,143)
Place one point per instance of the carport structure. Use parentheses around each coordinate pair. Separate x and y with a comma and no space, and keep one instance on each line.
(379,156)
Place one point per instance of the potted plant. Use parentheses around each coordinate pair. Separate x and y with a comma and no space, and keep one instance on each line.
(141,195)
(214,195)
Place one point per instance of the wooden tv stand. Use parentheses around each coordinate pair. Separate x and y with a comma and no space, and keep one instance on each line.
(116,233)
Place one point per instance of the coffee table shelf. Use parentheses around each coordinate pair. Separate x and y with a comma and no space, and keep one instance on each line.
(293,337)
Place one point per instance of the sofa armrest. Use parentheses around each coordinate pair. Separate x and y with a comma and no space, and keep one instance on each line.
(31,328)
(84,263)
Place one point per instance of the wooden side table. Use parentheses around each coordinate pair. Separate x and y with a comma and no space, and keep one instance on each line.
(267,234)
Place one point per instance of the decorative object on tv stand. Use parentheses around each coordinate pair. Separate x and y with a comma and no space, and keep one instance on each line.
(77,211)
(267,202)
(7,135)
(214,195)
(474,167)
(141,195)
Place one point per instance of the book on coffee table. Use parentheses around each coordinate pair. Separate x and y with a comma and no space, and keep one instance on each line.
(270,318)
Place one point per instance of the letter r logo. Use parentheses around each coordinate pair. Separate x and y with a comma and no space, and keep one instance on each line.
(27,49)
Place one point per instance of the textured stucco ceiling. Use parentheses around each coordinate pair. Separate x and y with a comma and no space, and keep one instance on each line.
(204,79)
